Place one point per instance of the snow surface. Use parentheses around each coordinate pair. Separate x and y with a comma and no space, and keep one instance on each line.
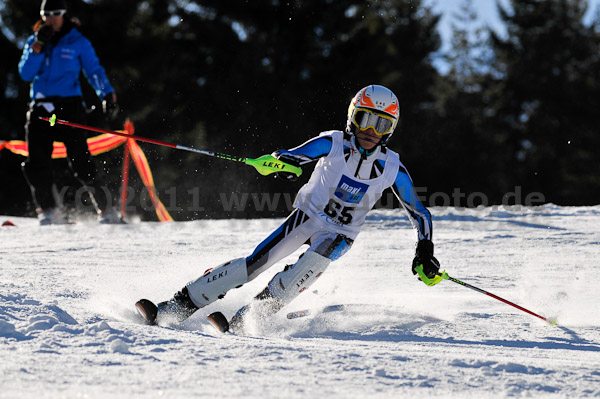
(68,326)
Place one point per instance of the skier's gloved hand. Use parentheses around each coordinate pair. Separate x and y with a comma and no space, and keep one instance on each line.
(425,262)
(287,158)
(42,36)
(110,108)
(287,176)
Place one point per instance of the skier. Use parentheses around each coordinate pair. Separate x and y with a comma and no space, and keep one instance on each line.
(52,60)
(353,169)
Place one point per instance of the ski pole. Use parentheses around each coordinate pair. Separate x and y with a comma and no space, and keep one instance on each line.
(444,276)
(265,164)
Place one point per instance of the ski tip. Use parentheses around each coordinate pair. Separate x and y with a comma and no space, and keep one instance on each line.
(307,312)
(219,321)
(8,223)
(552,321)
(147,311)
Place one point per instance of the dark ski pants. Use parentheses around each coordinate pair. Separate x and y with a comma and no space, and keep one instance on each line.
(38,168)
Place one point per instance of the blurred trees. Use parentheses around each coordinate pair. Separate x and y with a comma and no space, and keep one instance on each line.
(466,157)
(249,77)
(521,110)
(546,98)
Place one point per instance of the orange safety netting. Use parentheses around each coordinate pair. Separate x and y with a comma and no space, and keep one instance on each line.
(99,145)
(141,163)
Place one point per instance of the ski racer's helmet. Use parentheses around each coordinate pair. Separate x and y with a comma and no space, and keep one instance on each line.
(374,107)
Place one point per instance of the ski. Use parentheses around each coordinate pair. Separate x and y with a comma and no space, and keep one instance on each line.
(147,310)
(219,321)
(307,312)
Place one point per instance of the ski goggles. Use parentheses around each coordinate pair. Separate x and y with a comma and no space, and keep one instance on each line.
(365,119)
(53,13)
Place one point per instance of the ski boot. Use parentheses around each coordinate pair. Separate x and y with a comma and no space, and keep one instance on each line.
(179,308)
(111,216)
(52,216)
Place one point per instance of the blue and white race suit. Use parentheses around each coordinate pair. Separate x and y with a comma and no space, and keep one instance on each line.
(330,210)
(346,184)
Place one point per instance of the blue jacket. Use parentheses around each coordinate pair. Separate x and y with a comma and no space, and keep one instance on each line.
(55,71)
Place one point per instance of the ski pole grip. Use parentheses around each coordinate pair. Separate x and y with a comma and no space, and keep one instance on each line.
(430,281)
(268,164)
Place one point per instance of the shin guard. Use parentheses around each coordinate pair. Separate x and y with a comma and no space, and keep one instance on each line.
(215,283)
(289,283)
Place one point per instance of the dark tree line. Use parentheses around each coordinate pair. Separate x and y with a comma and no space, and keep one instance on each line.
(249,77)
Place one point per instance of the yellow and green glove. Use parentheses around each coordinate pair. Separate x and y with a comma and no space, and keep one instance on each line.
(426,265)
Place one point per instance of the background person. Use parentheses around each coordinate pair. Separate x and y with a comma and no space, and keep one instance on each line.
(52,60)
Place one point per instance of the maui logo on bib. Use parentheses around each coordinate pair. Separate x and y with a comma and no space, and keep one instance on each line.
(349,190)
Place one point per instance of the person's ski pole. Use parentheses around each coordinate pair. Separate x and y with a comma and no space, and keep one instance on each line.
(445,276)
(265,164)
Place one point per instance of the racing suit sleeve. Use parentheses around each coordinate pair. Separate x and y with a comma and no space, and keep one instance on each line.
(308,152)
(419,216)
(93,71)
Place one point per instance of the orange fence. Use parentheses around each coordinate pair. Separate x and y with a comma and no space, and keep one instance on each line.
(104,143)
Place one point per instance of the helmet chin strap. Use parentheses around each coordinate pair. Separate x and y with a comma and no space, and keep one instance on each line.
(364,151)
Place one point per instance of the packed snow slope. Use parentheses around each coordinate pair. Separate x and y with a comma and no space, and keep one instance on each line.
(68,326)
